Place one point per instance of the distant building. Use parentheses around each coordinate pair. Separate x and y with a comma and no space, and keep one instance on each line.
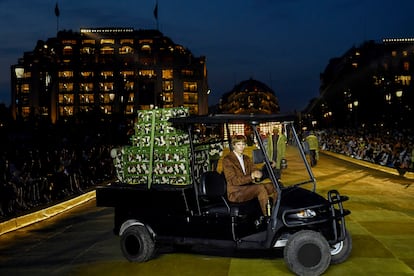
(107,71)
(250,96)
(370,85)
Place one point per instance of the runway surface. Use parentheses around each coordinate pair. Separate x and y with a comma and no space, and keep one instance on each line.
(80,241)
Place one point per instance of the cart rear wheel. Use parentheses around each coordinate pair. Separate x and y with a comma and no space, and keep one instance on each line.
(137,244)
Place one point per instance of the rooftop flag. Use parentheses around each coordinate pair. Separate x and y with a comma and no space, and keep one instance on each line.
(57,12)
(156,10)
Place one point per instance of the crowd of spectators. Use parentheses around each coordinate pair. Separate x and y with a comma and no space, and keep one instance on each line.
(391,148)
(41,168)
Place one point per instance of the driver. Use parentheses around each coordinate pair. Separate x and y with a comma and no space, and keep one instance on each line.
(240,173)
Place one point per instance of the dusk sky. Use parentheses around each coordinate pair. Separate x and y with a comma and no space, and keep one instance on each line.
(285,44)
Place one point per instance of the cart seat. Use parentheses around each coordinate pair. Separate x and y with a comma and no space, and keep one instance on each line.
(213,191)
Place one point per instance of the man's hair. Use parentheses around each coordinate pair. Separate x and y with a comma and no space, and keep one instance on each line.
(238,138)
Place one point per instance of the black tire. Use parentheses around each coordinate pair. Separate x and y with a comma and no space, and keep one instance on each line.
(341,251)
(307,253)
(137,244)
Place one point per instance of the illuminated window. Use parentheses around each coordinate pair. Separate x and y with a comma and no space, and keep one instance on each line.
(106,86)
(146,41)
(66,99)
(235,129)
(65,74)
(129,86)
(406,66)
(126,50)
(87,74)
(405,53)
(168,97)
(129,109)
(127,73)
(64,87)
(106,98)
(167,85)
(24,88)
(66,110)
(88,41)
(86,98)
(167,74)
(71,42)
(147,73)
(131,97)
(25,111)
(127,41)
(107,74)
(191,98)
(146,47)
(190,86)
(404,80)
(355,65)
(394,53)
(187,72)
(107,50)
(85,108)
(86,87)
(106,109)
(88,51)
(107,41)
(67,50)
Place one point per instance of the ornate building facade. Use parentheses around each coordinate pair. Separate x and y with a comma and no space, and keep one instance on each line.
(250,96)
(107,71)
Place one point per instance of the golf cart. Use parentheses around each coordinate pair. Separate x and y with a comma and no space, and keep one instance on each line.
(169,194)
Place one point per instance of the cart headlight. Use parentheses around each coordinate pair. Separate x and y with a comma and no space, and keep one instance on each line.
(307,213)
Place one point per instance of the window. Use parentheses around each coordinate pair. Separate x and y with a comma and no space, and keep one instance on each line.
(107,50)
(190,98)
(66,99)
(187,72)
(129,85)
(167,85)
(71,42)
(107,41)
(87,51)
(86,99)
(65,110)
(88,41)
(65,74)
(147,73)
(86,87)
(146,47)
(406,66)
(145,41)
(126,41)
(64,87)
(131,97)
(129,109)
(106,98)
(107,74)
(67,50)
(167,74)
(190,86)
(126,50)
(127,73)
(87,74)
(106,86)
